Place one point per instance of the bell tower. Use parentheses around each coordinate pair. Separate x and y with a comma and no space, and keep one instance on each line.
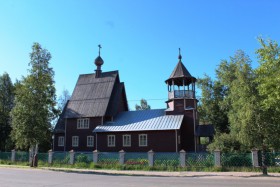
(182,101)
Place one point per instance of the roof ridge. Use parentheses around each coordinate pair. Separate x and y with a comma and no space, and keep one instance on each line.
(115,71)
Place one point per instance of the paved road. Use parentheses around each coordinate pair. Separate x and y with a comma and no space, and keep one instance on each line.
(14,177)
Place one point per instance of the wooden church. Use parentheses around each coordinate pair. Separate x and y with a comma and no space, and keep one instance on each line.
(97,118)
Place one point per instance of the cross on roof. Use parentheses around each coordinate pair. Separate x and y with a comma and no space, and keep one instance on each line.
(99,49)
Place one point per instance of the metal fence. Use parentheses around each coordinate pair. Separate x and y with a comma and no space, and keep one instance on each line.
(156,159)
(236,159)
(200,160)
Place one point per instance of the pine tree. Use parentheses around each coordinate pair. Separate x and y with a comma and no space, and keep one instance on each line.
(6,105)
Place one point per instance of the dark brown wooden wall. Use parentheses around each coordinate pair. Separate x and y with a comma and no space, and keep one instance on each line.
(158,141)
(187,127)
(71,130)
(55,147)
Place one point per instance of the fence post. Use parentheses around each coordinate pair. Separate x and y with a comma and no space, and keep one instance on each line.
(95,156)
(183,158)
(217,156)
(50,158)
(121,157)
(151,157)
(255,158)
(13,157)
(72,157)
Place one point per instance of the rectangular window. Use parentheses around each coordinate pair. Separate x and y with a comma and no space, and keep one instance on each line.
(83,123)
(111,140)
(61,141)
(90,141)
(143,140)
(126,140)
(75,141)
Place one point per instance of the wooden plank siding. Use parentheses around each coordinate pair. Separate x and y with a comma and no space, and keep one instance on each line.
(158,141)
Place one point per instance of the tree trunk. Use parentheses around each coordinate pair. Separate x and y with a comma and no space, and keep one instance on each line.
(264,166)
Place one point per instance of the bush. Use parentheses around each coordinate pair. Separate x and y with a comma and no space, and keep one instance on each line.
(82,159)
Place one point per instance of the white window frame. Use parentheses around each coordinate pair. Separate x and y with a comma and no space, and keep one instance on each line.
(140,143)
(90,141)
(83,123)
(111,140)
(126,140)
(75,141)
(60,141)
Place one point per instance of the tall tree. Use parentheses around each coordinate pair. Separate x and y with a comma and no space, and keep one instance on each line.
(35,102)
(211,109)
(238,98)
(268,77)
(143,105)
(6,105)
(63,98)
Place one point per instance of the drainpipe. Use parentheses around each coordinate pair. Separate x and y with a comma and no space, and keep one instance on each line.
(65,134)
(176,140)
(194,130)
(96,141)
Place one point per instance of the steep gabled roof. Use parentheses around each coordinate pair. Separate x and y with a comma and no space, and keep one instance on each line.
(142,120)
(91,95)
(60,125)
(115,101)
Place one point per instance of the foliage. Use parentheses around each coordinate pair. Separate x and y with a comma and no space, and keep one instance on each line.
(234,160)
(143,105)
(225,143)
(211,109)
(6,105)
(82,158)
(248,98)
(35,103)
(63,98)
(268,77)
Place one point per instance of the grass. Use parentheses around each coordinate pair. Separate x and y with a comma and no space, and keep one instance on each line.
(141,167)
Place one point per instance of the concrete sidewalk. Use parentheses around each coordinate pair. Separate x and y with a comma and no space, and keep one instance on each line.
(168,174)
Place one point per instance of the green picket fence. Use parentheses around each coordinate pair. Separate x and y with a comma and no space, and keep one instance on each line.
(140,159)
(200,160)
(108,158)
(43,157)
(161,159)
(22,156)
(5,156)
(236,159)
(166,159)
(61,158)
(83,157)
(272,159)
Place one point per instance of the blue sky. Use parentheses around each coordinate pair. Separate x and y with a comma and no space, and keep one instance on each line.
(140,38)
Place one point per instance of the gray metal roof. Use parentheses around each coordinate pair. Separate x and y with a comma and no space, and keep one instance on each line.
(142,120)
(91,95)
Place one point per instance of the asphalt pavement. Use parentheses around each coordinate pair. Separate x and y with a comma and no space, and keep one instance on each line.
(12,177)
